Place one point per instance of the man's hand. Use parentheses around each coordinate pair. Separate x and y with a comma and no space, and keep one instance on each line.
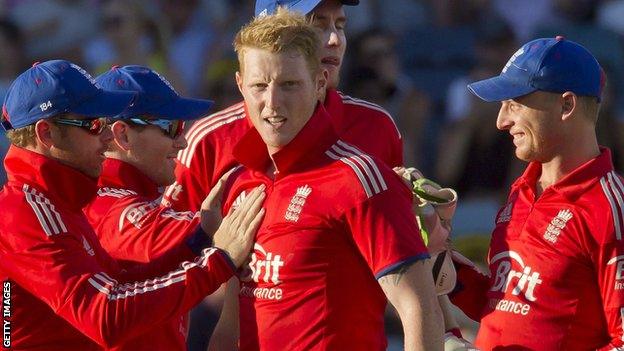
(236,233)
(210,211)
(453,343)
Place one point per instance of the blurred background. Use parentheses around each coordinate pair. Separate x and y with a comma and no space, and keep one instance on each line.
(413,57)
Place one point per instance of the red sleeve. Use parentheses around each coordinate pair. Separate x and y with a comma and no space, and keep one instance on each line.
(470,293)
(194,179)
(396,143)
(384,228)
(608,261)
(60,272)
(392,138)
(139,231)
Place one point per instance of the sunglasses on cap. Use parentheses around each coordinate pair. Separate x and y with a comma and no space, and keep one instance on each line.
(171,128)
(93,126)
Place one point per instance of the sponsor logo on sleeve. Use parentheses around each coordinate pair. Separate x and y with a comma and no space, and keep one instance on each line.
(134,213)
(176,189)
(618,262)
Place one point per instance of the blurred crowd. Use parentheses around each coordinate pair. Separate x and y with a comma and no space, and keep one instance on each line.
(413,57)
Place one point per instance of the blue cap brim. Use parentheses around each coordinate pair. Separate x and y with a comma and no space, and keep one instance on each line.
(499,89)
(110,104)
(179,109)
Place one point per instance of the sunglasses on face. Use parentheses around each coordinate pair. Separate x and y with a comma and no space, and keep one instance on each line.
(93,126)
(171,128)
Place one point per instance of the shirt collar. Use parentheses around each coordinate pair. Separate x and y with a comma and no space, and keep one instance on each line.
(63,183)
(302,152)
(576,182)
(333,104)
(120,174)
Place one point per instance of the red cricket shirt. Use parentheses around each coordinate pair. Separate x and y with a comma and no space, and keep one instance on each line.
(134,229)
(66,293)
(557,263)
(336,220)
(212,139)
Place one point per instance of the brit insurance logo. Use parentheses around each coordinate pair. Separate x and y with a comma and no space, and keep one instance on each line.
(135,213)
(618,262)
(521,282)
(296,203)
(556,225)
(264,267)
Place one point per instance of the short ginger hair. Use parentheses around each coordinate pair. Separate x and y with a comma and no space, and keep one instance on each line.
(281,32)
(22,137)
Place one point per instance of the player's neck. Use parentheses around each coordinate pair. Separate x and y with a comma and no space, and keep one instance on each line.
(572,157)
(323,96)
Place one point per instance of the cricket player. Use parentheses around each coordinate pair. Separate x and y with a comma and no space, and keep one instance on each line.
(126,213)
(339,237)
(557,254)
(65,291)
(212,139)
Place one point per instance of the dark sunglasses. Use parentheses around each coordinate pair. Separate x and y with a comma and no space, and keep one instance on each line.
(93,126)
(171,128)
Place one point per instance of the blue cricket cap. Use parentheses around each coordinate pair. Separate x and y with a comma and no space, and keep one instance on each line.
(268,7)
(156,96)
(58,86)
(554,65)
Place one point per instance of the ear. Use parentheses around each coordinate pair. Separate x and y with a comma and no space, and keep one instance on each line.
(121,138)
(569,105)
(239,81)
(321,83)
(43,131)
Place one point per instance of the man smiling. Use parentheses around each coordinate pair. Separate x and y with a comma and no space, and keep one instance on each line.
(556,252)
(126,215)
(67,292)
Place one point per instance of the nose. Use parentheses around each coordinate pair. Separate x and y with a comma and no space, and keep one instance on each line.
(272,97)
(503,122)
(333,39)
